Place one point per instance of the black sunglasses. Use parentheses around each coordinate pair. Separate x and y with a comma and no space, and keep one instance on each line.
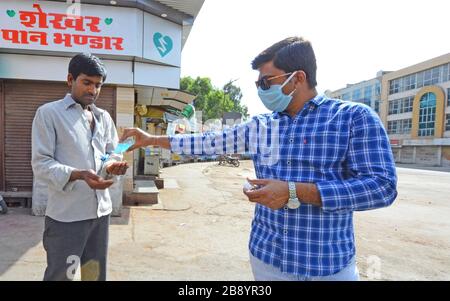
(264,82)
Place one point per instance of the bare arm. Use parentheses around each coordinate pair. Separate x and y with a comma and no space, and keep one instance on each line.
(309,194)
(144,139)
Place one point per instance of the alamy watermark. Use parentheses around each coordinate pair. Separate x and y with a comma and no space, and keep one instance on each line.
(74,9)
(373,267)
(259,136)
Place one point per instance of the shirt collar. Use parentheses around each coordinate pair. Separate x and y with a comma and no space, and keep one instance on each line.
(318,100)
(69,102)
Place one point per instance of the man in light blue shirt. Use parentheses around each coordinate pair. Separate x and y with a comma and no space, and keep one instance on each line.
(69,139)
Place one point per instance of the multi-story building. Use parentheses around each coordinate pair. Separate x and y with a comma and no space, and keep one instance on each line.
(367,92)
(416,112)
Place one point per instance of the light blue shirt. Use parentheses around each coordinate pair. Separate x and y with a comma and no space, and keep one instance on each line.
(62,141)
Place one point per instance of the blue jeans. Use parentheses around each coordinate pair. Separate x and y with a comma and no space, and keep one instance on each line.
(266,272)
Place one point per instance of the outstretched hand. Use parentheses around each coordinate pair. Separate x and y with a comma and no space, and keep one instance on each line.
(142,139)
(94,181)
(117,168)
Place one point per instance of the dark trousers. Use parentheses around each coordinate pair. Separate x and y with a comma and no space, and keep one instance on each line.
(70,244)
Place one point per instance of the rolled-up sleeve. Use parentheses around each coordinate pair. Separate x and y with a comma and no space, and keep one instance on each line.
(371,180)
(45,167)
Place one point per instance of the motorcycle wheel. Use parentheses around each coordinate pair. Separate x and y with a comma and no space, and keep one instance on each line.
(236,163)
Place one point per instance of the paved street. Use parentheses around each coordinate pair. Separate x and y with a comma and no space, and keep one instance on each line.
(200,231)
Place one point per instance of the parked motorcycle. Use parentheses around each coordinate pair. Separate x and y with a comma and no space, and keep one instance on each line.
(224,160)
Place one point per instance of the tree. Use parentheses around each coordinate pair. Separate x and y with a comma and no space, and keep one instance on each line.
(235,95)
(214,102)
(200,87)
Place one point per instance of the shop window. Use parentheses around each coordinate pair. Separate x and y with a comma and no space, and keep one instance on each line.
(356,95)
(394,86)
(448,97)
(427,115)
(406,126)
(408,103)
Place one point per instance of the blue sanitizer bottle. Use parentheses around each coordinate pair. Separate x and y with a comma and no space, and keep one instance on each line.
(121,148)
(124,146)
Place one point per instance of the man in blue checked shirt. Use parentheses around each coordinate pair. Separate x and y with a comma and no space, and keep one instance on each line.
(317,161)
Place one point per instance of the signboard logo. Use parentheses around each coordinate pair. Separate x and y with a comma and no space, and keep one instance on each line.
(11,13)
(164,44)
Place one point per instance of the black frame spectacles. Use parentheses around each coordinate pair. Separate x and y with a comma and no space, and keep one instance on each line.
(264,82)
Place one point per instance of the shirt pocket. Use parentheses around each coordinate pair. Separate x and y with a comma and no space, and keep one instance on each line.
(327,146)
(70,139)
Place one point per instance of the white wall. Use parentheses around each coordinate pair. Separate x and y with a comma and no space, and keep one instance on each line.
(157,75)
(53,68)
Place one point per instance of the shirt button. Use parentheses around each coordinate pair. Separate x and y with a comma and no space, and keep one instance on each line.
(291,140)
(286,208)
(288,162)
(285,232)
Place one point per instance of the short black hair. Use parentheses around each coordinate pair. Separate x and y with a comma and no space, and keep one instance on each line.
(289,55)
(88,64)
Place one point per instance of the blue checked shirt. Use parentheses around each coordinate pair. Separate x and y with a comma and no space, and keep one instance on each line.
(340,146)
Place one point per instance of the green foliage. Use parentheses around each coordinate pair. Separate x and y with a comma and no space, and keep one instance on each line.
(214,102)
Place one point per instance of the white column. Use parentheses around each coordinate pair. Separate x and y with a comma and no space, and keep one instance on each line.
(125,119)
(439,154)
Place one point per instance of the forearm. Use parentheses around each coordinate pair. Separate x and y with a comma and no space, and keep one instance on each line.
(361,194)
(50,171)
(76,175)
(309,194)
(160,141)
(229,141)
(152,140)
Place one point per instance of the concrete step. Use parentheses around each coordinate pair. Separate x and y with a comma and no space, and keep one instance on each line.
(145,193)
(158,181)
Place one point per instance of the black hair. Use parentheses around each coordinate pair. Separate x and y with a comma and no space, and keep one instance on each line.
(291,54)
(88,64)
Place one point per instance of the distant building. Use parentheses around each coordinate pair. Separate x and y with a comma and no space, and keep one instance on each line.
(367,92)
(416,112)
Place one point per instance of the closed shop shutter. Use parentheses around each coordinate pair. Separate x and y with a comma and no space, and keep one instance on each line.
(427,155)
(21,100)
(2,136)
(407,154)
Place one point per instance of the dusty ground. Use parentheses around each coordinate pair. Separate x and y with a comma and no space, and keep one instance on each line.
(200,231)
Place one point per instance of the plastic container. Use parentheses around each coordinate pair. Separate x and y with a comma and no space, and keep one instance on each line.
(124,146)
(121,148)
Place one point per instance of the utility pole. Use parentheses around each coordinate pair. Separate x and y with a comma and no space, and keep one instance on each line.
(224,92)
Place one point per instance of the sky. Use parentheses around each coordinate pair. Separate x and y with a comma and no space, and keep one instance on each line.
(352,39)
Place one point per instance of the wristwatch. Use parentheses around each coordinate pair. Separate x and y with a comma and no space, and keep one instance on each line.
(293,202)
